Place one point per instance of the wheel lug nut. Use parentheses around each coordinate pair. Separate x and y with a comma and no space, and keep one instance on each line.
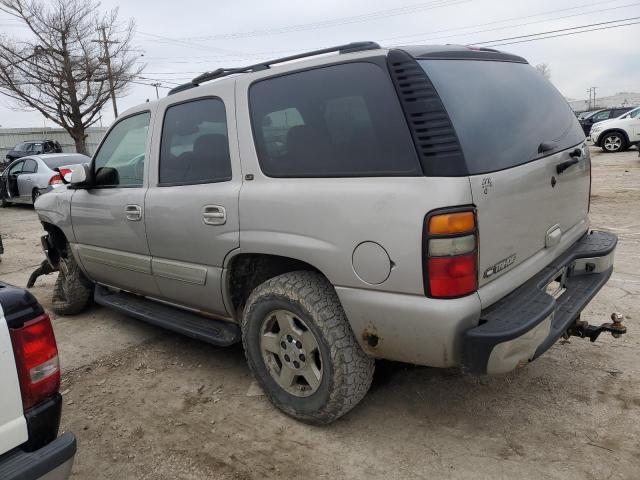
(283,345)
(286,358)
(289,338)
(298,344)
(302,357)
(296,364)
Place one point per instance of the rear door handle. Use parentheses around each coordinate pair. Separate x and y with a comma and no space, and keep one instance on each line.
(133,212)
(561,167)
(214,215)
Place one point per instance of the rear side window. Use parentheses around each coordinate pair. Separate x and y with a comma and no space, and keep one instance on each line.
(338,121)
(194,146)
(30,166)
(502,112)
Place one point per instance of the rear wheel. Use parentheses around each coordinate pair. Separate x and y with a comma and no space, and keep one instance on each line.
(5,204)
(34,195)
(613,142)
(301,349)
(72,291)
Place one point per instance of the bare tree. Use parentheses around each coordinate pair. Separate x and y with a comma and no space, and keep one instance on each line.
(71,62)
(544,70)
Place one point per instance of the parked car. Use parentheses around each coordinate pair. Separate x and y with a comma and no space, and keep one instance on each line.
(37,147)
(25,179)
(358,203)
(601,115)
(585,114)
(30,405)
(618,134)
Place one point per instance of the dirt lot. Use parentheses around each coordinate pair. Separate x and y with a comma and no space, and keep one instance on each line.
(148,404)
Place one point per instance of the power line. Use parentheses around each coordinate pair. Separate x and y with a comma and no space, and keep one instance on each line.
(539,36)
(556,31)
(462,34)
(365,17)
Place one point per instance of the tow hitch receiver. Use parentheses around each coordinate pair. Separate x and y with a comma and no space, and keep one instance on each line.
(583,330)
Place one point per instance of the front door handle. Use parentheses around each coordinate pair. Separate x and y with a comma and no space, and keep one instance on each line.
(214,215)
(133,212)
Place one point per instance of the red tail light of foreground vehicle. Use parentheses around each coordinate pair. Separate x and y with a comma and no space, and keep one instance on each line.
(36,354)
(451,254)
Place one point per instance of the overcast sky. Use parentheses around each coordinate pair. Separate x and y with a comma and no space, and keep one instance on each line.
(181,39)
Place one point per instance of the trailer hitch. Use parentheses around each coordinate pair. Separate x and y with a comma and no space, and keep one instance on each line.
(582,329)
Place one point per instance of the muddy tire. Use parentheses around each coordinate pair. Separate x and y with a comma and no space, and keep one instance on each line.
(72,292)
(301,350)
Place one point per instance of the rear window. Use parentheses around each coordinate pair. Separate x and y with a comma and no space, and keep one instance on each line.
(60,162)
(338,121)
(502,112)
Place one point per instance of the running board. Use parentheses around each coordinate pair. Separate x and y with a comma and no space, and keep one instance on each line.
(215,332)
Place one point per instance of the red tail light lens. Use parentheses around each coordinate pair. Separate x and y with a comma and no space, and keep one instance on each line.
(452,276)
(55,180)
(450,253)
(36,354)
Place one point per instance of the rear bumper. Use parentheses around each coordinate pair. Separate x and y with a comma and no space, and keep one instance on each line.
(524,324)
(51,462)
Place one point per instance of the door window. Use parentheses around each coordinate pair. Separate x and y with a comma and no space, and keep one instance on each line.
(120,160)
(194,145)
(16,168)
(30,166)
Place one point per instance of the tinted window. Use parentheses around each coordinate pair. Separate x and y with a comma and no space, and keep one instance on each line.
(598,117)
(343,120)
(502,111)
(633,113)
(30,166)
(195,147)
(21,147)
(120,160)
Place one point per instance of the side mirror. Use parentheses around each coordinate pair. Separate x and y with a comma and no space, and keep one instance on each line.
(78,175)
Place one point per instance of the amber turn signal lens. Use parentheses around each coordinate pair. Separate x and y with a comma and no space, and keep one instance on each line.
(450,223)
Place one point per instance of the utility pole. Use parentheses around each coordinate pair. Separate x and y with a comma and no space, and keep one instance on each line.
(107,60)
(589,98)
(157,84)
(594,97)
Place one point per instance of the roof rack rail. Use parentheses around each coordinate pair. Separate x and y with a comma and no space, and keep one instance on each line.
(223,72)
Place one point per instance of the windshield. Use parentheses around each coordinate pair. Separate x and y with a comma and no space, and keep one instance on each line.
(635,113)
(502,112)
(21,147)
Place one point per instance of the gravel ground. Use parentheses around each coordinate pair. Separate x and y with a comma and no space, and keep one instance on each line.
(148,404)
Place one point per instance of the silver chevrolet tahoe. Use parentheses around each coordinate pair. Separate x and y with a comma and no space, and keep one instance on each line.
(426,204)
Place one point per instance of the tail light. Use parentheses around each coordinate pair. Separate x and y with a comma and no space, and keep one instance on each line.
(57,179)
(36,354)
(450,253)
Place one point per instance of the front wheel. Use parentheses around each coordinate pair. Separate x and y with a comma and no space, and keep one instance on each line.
(613,142)
(72,292)
(301,349)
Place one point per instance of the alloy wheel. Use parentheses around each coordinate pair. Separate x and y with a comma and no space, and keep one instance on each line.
(291,353)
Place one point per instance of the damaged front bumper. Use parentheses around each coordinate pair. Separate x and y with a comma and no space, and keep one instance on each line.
(524,324)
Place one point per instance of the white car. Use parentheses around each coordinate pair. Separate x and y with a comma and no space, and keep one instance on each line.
(30,405)
(617,134)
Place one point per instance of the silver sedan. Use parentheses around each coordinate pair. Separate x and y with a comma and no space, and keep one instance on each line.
(27,178)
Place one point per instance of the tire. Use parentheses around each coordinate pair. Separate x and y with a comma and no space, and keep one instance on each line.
(309,302)
(72,292)
(4,203)
(34,195)
(613,142)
